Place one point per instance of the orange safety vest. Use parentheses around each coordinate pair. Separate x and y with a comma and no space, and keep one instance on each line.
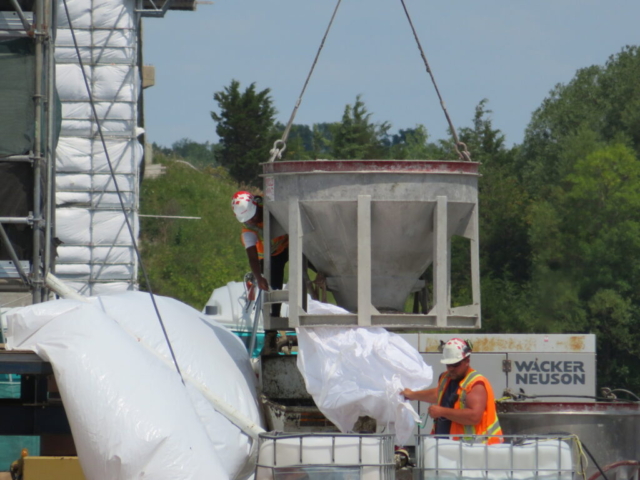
(489,425)
(278,244)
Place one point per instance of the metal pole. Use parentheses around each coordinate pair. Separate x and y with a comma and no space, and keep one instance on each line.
(37,163)
(50,154)
(256,320)
(23,19)
(12,254)
(18,158)
(17,220)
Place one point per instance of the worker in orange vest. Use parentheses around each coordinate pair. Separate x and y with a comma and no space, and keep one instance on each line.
(249,211)
(463,403)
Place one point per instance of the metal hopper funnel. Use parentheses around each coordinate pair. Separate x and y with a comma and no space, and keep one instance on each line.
(373,227)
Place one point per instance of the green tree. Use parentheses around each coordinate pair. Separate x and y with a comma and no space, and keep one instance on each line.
(356,136)
(586,242)
(187,258)
(246,127)
(506,253)
(299,142)
(323,139)
(603,100)
(413,144)
(198,154)
(486,144)
(579,164)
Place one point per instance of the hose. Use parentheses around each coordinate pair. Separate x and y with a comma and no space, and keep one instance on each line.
(611,466)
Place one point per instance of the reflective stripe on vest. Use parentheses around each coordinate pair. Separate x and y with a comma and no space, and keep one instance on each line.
(442,381)
(468,429)
(278,244)
(489,415)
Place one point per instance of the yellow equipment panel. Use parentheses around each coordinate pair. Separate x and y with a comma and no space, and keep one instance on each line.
(52,468)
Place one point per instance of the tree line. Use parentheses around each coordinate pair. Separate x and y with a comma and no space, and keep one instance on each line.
(559,213)
(247,130)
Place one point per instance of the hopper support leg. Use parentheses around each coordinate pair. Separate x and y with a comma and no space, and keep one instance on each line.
(441,298)
(266,263)
(295,263)
(475,260)
(365,309)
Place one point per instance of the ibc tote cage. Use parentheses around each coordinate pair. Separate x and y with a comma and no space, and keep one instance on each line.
(518,457)
(29,116)
(325,456)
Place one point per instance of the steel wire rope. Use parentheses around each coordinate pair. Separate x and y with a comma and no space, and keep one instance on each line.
(464,154)
(275,151)
(115,182)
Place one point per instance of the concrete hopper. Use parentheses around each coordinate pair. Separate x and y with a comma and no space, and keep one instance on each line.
(373,227)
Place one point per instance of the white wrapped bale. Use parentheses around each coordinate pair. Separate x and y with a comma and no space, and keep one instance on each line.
(130,414)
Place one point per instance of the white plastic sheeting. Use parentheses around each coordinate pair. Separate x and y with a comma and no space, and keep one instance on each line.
(88,216)
(351,372)
(130,415)
(235,310)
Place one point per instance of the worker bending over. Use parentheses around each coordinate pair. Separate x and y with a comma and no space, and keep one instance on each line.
(463,403)
(248,210)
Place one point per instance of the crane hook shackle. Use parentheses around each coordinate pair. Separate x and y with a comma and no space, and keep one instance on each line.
(277,152)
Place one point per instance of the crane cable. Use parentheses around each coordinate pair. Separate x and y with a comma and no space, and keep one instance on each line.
(118,191)
(464,154)
(280,145)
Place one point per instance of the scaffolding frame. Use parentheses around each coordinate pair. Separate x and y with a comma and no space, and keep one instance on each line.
(87,190)
(28,274)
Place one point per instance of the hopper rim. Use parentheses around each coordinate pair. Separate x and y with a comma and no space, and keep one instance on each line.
(371,166)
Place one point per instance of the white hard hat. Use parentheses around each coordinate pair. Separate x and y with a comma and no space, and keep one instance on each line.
(454,351)
(244,206)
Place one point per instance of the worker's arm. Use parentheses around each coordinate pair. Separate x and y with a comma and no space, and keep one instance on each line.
(476,403)
(429,396)
(254,263)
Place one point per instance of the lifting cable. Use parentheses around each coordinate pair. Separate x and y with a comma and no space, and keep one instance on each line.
(464,154)
(115,182)
(280,145)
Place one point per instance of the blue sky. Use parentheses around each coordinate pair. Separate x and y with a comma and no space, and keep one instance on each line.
(511,52)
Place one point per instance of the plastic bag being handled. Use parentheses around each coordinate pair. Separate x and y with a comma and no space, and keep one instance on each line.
(352,372)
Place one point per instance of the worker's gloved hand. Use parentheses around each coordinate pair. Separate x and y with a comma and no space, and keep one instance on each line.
(407,393)
(263,284)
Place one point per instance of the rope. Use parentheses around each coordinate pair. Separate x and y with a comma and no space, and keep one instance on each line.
(584,461)
(115,182)
(280,145)
(464,154)
(15,300)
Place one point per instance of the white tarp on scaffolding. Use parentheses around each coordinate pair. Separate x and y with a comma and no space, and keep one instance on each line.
(351,372)
(89,220)
(130,415)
